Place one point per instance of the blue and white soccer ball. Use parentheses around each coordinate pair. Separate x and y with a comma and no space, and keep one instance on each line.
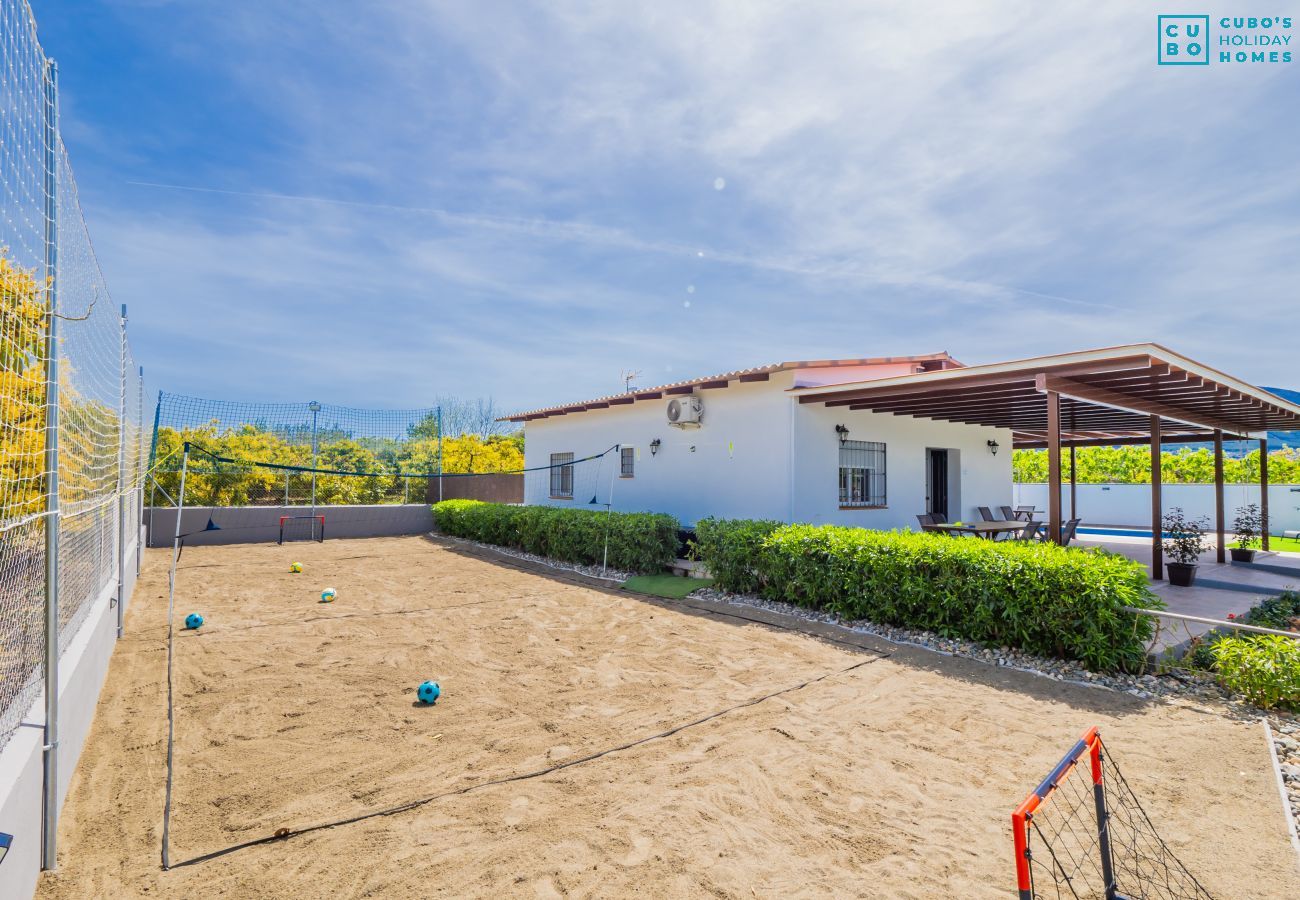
(328,595)
(428,692)
(193,621)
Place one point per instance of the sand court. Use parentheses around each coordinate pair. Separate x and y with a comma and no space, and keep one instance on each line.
(589,742)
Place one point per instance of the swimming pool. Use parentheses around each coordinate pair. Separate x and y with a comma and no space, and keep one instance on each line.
(1119,532)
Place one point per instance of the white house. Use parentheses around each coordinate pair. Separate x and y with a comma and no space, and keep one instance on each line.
(877,442)
(754,451)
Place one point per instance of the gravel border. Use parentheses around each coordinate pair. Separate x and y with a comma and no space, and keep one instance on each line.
(610,574)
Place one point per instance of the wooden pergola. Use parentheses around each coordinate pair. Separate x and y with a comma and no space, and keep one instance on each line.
(1134,394)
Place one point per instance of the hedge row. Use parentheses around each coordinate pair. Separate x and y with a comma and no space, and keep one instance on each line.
(638,542)
(1041,598)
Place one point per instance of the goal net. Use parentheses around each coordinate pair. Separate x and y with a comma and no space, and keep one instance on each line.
(302,528)
(1082,833)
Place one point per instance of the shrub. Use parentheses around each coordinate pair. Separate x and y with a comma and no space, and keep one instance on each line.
(1247,526)
(1281,612)
(1185,541)
(638,542)
(730,548)
(1042,598)
(1263,668)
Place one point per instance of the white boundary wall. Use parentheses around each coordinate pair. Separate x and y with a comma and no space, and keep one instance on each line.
(82,670)
(1130,504)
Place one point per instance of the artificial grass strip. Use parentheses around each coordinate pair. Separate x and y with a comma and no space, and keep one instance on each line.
(672,587)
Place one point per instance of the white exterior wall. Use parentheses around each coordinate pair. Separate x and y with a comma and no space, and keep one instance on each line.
(739,467)
(756,443)
(976,477)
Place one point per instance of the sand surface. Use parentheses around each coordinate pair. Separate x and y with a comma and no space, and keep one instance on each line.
(886,776)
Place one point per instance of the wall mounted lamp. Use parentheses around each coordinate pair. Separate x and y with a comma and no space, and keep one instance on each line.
(993,447)
(843,432)
(654,446)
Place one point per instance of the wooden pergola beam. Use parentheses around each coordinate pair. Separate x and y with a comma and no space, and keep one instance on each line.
(1081,391)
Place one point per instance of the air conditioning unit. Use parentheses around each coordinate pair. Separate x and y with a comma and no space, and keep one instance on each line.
(685,411)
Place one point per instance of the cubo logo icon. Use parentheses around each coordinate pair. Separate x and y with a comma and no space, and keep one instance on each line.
(1184,40)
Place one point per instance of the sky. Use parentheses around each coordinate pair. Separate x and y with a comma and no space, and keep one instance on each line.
(379,204)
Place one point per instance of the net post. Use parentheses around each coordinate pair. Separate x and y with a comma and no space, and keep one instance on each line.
(1103,817)
(1020,837)
(315,409)
(50,748)
(439,453)
(137,520)
(121,472)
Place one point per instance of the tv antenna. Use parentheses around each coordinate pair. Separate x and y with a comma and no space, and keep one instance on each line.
(627,376)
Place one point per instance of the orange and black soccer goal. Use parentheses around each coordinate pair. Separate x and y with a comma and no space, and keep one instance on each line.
(302,528)
(1083,833)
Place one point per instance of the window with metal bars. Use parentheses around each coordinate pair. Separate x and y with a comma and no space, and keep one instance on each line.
(627,462)
(862,474)
(562,476)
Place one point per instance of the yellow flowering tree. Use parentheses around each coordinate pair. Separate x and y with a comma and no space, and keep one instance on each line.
(22,388)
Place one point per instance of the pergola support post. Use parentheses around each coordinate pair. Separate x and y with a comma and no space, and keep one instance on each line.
(1219,526)
(1054,467)
(1074,483)
(1157,509)
(1263,492)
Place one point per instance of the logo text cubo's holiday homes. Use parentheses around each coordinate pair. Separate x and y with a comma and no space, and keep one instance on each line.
(1185,40)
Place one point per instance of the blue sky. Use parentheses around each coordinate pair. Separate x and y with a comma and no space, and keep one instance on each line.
(377,204)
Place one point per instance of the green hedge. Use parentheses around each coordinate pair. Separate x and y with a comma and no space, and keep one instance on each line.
(638,542)
(1041,598)
(1263,668)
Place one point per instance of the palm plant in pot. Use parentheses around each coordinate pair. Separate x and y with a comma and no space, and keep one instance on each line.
(1247,527)
(1184,543)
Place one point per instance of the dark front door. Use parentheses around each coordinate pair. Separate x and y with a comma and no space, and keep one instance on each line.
(937,502)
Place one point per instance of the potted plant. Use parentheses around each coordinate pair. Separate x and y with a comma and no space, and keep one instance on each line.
(1247,527)
(1184,543)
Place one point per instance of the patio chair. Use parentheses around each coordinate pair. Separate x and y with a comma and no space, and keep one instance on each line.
(1008,514)
(1029,532)
(1025,512)
(986,514)
(1068,530)
(938,518)
(927,522)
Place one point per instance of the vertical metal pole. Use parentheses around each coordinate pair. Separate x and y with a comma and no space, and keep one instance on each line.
(609,507)
(1054,467)
(315,409)
(121,474)
(171,605)
(439,454)
(1157,504)
(1219,528)
(1263,493)
(137,520)
(286,488)
(50,748)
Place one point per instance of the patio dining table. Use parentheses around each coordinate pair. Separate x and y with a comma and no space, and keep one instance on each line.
(989,530)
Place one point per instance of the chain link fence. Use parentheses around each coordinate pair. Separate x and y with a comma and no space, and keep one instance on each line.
(71,394)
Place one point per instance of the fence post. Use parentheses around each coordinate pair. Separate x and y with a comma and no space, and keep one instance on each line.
(439,454)
(50,748)
(121,473)
(138,519)
(1103,817)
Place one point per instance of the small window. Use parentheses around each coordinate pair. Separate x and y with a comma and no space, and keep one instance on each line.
(862,474)
(562,476)
(628,462)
